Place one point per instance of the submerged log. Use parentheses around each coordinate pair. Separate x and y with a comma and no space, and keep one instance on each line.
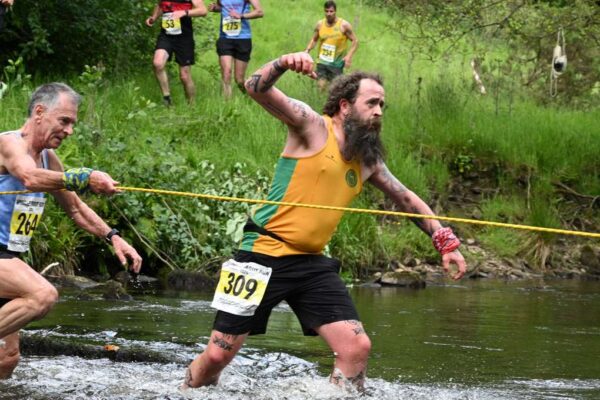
(37,345)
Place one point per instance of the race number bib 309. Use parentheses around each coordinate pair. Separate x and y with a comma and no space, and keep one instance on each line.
(25,218)
(232,26)
(241,287)
(327,52)
(172,26)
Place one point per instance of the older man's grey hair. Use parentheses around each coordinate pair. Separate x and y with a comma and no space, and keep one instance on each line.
(48,94)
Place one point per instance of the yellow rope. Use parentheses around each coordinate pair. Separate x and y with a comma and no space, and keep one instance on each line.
(355,210)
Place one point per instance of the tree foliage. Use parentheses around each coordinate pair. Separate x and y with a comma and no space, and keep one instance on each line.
(527,29)
(56,36)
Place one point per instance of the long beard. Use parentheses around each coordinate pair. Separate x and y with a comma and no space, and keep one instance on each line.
(363,140)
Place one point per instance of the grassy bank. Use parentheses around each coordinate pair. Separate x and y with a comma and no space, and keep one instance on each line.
(498,157)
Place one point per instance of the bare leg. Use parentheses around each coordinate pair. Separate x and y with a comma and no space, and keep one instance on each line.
(240,74)
(351,347)
(226,63)
(206,368)
(185,74)
(33,296)
(9,355)
(160,62)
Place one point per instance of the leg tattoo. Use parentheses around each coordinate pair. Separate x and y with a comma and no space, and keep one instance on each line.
(357,382)
(356,327)
(223,343)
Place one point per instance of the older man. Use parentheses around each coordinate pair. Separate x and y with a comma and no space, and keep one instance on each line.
(28,163)
(325,161)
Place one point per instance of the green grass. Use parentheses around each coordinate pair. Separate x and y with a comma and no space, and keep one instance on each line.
(432,130)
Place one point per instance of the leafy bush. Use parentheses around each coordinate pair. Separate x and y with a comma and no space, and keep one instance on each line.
(56,36)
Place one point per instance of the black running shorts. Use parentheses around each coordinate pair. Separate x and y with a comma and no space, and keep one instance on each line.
(182,45)
(310,284)
(7,255)
(239,49)
(328,72)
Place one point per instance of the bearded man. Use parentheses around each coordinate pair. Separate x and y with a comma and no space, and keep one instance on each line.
(326,160)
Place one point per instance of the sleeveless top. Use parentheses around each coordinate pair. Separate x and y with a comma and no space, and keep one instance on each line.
(234,28)
(171,27)
(333,44)
(324,179)
(20,214)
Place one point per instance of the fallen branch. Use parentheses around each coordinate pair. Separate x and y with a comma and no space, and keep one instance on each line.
(48,268)
(572,192)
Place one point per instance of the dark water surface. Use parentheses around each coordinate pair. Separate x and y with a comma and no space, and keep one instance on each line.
(472,340)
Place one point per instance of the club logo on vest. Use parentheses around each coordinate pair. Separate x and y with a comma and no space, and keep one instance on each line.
(351,178)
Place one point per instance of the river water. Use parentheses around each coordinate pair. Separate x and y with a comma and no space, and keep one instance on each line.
(471,340)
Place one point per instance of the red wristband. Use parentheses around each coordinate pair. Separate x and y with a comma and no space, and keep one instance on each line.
(445,241)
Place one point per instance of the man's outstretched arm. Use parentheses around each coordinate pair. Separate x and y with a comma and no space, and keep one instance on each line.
(407,201)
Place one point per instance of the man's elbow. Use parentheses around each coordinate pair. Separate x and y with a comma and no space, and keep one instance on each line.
(259,13)
(29,183)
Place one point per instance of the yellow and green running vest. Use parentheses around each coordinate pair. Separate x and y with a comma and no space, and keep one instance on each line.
(333,44)
(324,179)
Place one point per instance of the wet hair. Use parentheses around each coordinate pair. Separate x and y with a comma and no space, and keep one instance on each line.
(330,4)
(346,87)
(48,94)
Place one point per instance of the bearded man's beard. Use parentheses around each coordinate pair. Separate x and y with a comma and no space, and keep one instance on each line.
(363,140)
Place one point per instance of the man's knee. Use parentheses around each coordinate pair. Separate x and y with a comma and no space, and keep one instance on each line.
(185,75)
(358,350)
(219,358)
(159,64)
(43,300)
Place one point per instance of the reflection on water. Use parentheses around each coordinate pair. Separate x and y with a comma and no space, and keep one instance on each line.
(479,340)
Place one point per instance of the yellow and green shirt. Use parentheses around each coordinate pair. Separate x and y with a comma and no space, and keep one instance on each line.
(324,179)
(333,44)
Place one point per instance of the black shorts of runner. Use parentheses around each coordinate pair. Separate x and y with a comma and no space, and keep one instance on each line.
(7,255)
(182,45)
(239,49)
(328,72)
(311,286)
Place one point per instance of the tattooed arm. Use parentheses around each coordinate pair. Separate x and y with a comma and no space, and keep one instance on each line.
(260,86)
(409,202)
(406,200)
